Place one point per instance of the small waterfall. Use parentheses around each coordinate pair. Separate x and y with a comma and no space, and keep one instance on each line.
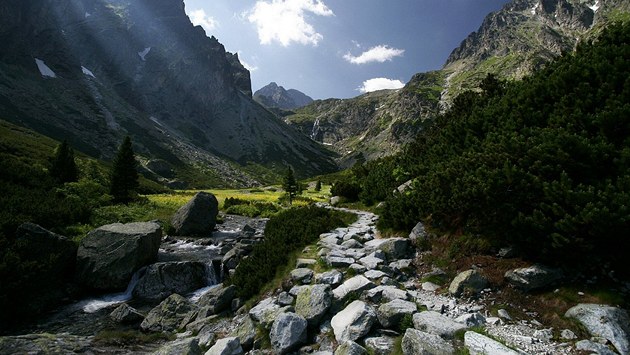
(315,129)
(91,306)
(212,280)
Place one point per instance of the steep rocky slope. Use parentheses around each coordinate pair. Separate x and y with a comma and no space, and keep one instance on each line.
(92,71)
(274,96)
(511,43)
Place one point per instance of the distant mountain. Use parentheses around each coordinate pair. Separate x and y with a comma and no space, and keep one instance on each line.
(511,43)
(93,71)
(274,96)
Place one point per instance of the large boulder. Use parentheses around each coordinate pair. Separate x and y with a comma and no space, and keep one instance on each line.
(417,342)
(111,254)
(418,234)
(396,248)
(332,277)
(608,322)
(288,332)
(391,313)
(198,217)
(354,322)
(480,344)
(168,315)
(245,331)
(312,302)
(217,300)
(468,281)
(436,323)
(533,277)
(266,312)
(226,346)
(161,280)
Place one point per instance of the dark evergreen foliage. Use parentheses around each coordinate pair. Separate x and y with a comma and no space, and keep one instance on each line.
(318,186)
(124,176)
(290,185)
(63,168)
(543,163)
(287,232)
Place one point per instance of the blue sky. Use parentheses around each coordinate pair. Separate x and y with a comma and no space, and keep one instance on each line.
(339,48)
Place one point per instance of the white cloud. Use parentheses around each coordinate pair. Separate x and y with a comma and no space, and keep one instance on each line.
(200,18)
(284,21)
(380,84)
(379,54)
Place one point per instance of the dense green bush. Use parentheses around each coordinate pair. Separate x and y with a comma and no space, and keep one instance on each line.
(287,232)
(347,189)
(543,163)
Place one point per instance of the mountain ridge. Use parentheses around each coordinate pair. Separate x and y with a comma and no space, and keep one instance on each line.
(141,69)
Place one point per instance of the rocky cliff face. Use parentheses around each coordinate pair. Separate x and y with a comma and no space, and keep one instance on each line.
(522,37)
(92,71)
(274,96)
(374,124)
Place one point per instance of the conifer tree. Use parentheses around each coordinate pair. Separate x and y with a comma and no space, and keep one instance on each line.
(124,177)
(318,186)
(290,185)
(64,168)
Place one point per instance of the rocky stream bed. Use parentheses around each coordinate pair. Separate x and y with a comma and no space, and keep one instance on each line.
(368,297)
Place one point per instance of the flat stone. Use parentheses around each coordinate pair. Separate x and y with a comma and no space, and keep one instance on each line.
(382,345)
(355,284)
(352,244)
(436,323)
(336,261)
(386,293)
(357,268)
(480,344)
(332,277)
(430,286)
(371,261)
(471,319)
(300,263)
(533,277)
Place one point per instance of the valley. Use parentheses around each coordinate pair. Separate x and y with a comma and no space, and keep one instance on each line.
(151,202)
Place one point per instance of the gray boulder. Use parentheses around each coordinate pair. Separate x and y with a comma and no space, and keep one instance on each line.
(608,322)
(533,277)
(355,284)
(111,254)
(417,342)
(305,263)
(350,348)
(382,345)
(312,302)
(338,261)
(217,300)
(302,276)
(161,280)
(467,281)
(371,262)
(354,322)
(480,344)
(168,315)
(436,323)
(197,217)
(471,319)
(187,346)
(594,348)
(335,200)
(266,312)
(226,346)
(387,293)
(332,277)
(288,332)
(418,234)
(396,248)
(126,314)
(391,313)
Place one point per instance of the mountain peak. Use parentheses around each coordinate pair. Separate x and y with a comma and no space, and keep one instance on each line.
(274,96)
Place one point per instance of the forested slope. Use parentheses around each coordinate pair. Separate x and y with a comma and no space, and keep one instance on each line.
(542,164)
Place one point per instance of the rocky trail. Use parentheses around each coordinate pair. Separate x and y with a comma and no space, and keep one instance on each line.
(365,298)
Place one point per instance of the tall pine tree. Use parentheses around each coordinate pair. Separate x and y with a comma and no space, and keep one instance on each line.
(124,177)
(64,169)
(290,185)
